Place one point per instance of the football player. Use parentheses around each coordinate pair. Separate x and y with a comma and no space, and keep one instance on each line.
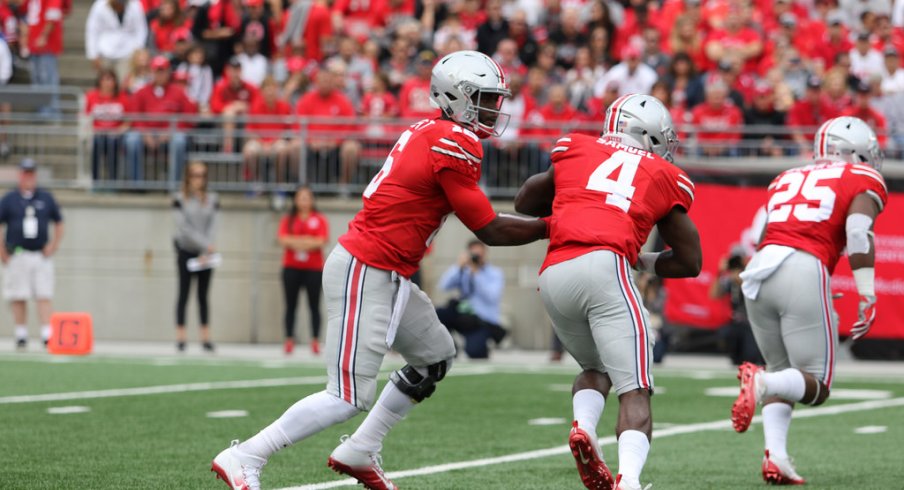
(814,212)
(604,196)
(432,170)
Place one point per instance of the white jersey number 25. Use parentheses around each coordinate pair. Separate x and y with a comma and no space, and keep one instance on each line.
(807,186)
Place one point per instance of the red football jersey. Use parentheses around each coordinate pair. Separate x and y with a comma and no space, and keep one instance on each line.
(808,206)
(405,203)
(609,196)
(40,14)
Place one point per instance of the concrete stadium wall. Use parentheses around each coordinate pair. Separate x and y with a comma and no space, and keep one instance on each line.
(117,262)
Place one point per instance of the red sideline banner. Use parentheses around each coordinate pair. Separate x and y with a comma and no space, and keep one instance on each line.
(725,216)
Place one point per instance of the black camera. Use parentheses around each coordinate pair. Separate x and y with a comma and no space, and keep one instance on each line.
(475,258)
(735,262)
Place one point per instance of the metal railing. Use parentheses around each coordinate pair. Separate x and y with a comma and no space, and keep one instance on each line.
(256,155)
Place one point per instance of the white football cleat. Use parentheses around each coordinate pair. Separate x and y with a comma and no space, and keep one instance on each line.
(780,471)
(622,485)
(241,471)
(364,466)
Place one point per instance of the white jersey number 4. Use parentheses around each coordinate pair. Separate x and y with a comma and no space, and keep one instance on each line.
(620,191)
(806,186)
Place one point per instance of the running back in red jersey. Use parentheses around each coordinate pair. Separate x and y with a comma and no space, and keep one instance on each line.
(609,196)
(405,205)
(808,206)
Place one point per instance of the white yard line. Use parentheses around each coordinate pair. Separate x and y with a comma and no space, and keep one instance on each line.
(723,424)
(158,390)
(206,386)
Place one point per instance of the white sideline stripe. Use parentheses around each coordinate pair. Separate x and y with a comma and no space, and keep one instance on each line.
(157,390)
(605,441)
(213,385)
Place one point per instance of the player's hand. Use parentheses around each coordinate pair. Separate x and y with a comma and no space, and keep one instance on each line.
(866,317)
(41,41)
(464,259)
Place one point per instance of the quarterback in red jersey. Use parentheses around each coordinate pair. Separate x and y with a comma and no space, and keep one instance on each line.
(372,306)
(605,195)
(814,213)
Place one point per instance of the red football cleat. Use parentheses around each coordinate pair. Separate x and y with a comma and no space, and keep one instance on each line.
(366,467)
(779,471)
(315,346)
(289,346)
(593,470)
(745,406)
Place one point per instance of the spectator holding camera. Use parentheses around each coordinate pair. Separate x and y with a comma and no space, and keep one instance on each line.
(740,344)
(475,312)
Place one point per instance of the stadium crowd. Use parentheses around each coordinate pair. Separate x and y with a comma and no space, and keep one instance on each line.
(721,66)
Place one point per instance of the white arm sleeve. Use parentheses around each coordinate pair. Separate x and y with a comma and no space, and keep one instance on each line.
(858,231)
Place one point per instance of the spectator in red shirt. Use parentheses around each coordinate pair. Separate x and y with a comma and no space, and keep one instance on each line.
(863,109)
(330,114)
(736,40)
(308,26)
(168,23)
(162,99)
(232,97)
(414,98)
(303,232)
(833,43)
(266,135)
(106,107)
(717,120)
(808,113)
(379,103)
(549,120)
(354,18)
(45,44)
(688,39)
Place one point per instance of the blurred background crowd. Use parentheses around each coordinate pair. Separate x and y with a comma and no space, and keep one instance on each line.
(762,71)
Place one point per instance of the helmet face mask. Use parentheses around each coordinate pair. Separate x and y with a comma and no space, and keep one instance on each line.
(469,87)
(848,139)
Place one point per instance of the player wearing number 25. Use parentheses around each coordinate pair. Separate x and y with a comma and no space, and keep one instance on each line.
(28,247)
(814,212)
(605,195)
(372,306)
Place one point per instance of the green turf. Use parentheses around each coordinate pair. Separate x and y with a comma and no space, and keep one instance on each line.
(166,440)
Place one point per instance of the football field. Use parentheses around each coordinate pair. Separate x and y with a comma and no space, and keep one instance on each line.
(156,421)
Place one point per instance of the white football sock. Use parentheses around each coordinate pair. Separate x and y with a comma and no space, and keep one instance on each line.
(45,332)
(21,332)
(391,407)
(305,418)
(588,406)
(787,384)
(776,421)
(633,447)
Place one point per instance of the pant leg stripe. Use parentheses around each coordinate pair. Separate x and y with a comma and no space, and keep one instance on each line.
(621,285)
(351,325)
(647,373)
(343,321)
(354,353)
(827,321)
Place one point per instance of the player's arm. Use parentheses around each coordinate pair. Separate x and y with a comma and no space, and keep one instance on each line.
(685,258)
(535,196)
(474,210)
(862,257)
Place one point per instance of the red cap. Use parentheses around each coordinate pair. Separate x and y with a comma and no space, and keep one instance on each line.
(631,51)
(160,63)
(295,64)
(254,3)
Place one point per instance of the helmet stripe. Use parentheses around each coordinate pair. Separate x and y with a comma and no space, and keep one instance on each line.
(613,114)
(498,70)
(824,140)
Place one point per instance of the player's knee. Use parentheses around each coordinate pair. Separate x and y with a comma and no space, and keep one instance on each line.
(819,397)
(420,383)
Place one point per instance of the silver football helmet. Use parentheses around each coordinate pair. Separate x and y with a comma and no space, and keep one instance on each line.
(469,88)
(849,139)
(645,120)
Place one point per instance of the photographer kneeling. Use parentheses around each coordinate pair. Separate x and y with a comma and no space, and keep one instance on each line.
(475,313)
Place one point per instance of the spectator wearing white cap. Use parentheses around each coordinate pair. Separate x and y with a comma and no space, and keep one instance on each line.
(27,212)
(114,30)
(632,76)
